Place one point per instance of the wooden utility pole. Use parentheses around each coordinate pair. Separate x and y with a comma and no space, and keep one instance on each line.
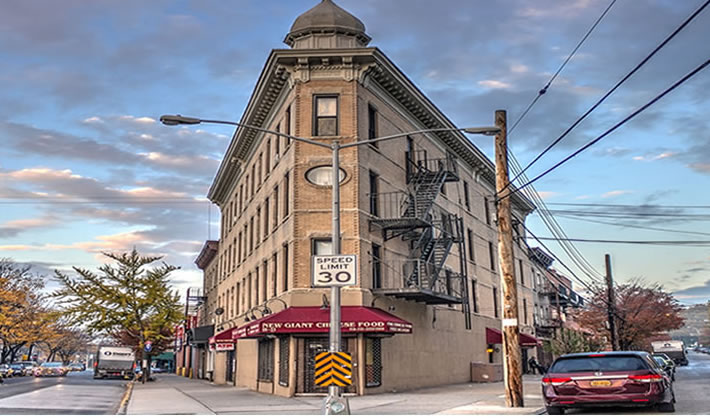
(512,368)
(611,303)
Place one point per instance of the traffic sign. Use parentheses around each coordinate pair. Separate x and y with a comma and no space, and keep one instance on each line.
(334,270)
(333,368)
(148,346)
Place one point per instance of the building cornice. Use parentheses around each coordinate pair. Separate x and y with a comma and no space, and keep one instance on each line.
(285,67)
(209,251)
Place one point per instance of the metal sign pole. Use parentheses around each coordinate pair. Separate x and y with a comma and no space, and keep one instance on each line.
(335,404)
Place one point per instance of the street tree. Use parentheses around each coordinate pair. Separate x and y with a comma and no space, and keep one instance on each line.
(65,342)
(704,338)
(572,341)
(128,298)
(24,315)
(641,311)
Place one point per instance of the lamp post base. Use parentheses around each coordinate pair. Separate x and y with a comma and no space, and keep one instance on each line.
(336,405)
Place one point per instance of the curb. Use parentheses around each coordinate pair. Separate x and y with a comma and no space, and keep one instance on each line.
(123,405)
(541,411)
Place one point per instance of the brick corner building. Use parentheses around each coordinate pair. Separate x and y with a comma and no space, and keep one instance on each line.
(418,211)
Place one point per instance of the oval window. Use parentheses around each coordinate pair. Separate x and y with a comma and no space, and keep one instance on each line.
(322,175)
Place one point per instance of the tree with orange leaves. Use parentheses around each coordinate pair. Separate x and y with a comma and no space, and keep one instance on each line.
(642,311)
(24,316)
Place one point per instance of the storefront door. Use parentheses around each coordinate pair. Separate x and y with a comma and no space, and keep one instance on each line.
(231,366)
(308,350)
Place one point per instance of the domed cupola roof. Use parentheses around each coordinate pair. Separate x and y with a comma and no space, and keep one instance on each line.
(327,19)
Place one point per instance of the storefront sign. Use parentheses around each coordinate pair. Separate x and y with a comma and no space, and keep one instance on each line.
(306,326)
(305,320)
(224,346)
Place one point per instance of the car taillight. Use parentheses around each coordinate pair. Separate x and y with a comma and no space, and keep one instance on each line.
(647,378)
(96,363)
(555,381)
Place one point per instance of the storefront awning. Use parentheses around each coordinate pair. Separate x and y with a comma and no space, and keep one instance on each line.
(493,336)
(223,337)
(199,335)
(311,319)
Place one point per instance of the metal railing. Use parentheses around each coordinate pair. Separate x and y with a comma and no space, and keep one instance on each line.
(419,164)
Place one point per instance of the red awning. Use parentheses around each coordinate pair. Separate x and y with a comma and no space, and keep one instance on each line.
(493,336)
(223,337)
(312,319)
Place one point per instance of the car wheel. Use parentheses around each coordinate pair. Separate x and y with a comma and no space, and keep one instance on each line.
(666,407)
(554,410)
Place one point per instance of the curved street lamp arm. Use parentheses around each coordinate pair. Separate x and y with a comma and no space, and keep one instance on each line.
(172,120)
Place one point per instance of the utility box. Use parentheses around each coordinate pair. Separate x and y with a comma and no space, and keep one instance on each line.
(486,372)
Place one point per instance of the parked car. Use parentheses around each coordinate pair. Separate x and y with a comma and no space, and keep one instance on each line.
(5,371)
(51,369)
(666,364)
(18,369)
(29,366)
(76,367)
(616,378)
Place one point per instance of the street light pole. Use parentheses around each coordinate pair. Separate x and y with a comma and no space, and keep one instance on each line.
(335,403)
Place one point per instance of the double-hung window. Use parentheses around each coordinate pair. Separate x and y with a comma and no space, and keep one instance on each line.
(325,111)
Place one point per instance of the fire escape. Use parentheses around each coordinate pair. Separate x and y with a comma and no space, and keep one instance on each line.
(430,230)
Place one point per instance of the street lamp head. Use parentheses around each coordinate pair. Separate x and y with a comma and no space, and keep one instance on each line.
(172,120)
(485,130)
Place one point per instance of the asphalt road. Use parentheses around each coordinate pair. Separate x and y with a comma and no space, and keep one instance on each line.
(691,386)
(76,393)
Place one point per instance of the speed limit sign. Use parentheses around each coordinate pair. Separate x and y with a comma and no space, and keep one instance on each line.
(334,270)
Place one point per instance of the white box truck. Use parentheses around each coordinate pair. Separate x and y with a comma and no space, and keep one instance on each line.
(115,362)
(674,349)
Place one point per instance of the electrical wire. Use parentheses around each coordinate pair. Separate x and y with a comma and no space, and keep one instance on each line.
(554,76)
(606,241)
(647,228)
(613,89)
(556,229)
(653,206)
(615,127)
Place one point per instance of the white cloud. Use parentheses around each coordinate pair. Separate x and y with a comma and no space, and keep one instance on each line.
(519,68)
(93,119)
(582,197)
(494,84)
(661,156)
(614,193)
(547,195)
(141,120)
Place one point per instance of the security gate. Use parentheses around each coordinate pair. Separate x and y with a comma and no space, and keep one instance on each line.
(313,346)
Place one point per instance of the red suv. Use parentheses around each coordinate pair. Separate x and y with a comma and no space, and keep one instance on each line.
(615,378)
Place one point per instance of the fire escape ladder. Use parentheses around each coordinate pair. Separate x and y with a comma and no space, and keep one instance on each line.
(430,230)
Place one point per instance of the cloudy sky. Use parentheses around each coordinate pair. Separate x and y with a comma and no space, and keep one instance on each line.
(86,168)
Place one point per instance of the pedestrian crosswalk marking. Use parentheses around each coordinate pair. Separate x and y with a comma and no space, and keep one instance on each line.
(333,368)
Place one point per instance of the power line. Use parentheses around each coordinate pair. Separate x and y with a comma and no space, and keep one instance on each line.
(648,228)
(554,76)
(613,89)
(606,241)
(557,258)
(615,127)
(556,229)
(653,206)
(633,215)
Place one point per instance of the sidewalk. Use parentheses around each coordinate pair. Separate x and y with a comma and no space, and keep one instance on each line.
(172,394)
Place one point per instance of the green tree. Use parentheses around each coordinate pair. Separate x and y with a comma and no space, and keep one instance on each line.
(572,341)
(128,298)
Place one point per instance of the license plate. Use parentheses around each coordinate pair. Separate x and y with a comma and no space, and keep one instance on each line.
(601,383)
